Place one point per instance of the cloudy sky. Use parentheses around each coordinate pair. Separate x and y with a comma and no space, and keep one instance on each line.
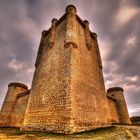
(116,22)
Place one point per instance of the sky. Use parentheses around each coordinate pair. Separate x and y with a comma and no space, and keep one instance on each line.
(116,22)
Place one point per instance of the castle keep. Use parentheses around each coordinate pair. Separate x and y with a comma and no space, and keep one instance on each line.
(68,92)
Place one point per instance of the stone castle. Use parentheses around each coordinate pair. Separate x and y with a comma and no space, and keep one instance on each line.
(68,92)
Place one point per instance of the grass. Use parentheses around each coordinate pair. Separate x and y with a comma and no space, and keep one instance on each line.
(16,131)
(104,133)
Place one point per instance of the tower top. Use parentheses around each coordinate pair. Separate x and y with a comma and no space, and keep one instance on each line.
(18,85)
(114,89)
(71,9)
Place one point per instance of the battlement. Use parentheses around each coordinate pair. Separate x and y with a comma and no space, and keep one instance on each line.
(82,22)
(71,35)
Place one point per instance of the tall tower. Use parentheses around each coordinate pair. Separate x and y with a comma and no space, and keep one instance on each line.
(67,93)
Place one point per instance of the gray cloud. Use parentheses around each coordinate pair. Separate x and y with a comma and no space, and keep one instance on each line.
(115,22)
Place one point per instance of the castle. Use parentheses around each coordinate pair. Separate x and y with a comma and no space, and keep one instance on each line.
(68,92)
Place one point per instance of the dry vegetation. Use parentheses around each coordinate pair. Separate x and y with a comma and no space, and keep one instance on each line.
(109,133)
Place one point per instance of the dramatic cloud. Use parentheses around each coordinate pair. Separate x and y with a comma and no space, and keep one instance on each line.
(123,16)
(115,22)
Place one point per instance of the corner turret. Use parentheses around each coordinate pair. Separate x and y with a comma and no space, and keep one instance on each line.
(117,94)
(71,27)
(14,89)
(71,9)
(52,33)
(87,35)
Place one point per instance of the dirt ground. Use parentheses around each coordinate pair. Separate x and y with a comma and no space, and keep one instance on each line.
(110,133)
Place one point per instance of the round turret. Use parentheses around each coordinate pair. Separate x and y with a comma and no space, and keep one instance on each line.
(117,94)
(14,89)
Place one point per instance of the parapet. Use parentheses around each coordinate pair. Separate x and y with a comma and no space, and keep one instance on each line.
(114,89)
(70,9)
(18,85)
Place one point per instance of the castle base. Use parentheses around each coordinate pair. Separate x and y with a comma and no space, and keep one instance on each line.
(66,130)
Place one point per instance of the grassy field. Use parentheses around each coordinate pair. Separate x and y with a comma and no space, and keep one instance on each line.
(109,133)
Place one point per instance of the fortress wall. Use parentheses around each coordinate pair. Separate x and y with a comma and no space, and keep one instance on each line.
(114,118)
(9,103)
(117,94)
(18,113)
(89,101)
(68,93)
(49,106)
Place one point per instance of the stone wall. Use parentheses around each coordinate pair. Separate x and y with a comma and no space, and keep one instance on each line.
(89,101)
(114,118)
(68,93)
(49,106)
(18,113)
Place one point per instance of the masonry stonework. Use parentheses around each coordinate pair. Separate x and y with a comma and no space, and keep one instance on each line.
(67,93)
(18,113)
(114,116)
